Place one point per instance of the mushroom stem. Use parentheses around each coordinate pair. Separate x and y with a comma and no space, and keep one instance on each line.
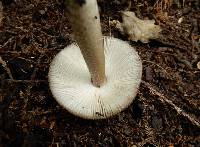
(85,21)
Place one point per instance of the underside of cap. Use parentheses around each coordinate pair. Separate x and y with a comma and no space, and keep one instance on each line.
(70,80)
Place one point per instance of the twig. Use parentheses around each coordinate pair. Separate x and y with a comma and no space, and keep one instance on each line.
(8,41)
(38,113)
(1,13)
(25,81)
(6,68)
(36,68)
(164,99)
(20,52)
(156,65)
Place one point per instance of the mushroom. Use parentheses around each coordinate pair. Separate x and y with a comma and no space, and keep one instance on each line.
(99,76)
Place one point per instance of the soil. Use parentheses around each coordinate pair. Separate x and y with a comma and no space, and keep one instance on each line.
(166,111)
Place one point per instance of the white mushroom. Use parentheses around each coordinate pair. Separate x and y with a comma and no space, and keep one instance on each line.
(113,65)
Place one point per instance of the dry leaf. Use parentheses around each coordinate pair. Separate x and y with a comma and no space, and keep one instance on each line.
(138,29)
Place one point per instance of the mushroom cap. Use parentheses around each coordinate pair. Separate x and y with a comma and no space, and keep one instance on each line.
(70,80)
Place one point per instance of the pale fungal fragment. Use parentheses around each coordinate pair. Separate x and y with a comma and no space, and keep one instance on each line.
(198,65)
(180,20)
(70,80)
(138,29)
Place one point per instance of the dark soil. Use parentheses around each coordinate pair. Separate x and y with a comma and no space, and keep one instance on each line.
(166,111)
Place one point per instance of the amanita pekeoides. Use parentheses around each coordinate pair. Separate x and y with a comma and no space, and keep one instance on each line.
(99,76)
